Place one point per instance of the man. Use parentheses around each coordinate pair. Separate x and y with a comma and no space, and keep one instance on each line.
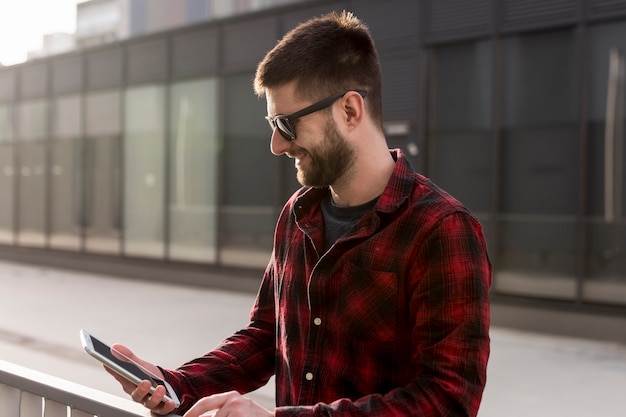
(375,300)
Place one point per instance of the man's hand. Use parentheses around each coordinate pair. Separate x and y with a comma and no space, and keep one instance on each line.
(231,404)
(141,393)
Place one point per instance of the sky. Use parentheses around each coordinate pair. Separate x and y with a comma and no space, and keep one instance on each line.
(24,22)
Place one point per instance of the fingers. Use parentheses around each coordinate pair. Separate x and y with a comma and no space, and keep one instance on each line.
(154,401)
(141,393)
(230,404)
(127,386)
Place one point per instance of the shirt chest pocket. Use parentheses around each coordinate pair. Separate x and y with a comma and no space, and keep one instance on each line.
(368,304)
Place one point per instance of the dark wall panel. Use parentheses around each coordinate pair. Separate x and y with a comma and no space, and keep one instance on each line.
(147,61)
(8,84)
(292,18)
(531,14)
(67,75)
(454,19)
(606,8)
(195,53)
(393,23)
(34,81)
(400,84)
(104,68)
(245,43)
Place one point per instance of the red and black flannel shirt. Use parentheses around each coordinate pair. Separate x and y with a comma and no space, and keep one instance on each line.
(392,321)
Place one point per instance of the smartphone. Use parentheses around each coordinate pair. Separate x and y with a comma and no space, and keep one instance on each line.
(128,368)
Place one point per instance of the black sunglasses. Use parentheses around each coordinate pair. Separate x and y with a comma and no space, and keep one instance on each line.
(284,123)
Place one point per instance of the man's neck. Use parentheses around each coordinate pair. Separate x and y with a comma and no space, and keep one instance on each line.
(365,183)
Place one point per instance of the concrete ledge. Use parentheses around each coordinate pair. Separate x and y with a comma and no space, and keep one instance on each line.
(571,321)
(155,270)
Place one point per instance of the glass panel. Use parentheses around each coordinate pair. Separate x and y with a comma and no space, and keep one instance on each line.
(606,281)
(144,154)
(536,258)
(541,163)
(6,123)
(33,125)
(65,173)
(460,125)
(7,192)
(33,120)
(6,174)
(102,172)
(193,176)
(104,116)
(248,214)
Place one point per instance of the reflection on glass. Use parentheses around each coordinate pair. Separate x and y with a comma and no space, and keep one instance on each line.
(193,171)
(247,216)
(65,173)
(102,172)
(460,125)
(144,171)
(606,254)
(6,174)
(32,124)
(541,155)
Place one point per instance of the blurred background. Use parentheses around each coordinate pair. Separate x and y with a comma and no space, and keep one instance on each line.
(132,144)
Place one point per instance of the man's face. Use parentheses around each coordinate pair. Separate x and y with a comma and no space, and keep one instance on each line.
(322,156)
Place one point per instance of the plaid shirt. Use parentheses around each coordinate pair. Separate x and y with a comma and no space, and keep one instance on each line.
(392,320)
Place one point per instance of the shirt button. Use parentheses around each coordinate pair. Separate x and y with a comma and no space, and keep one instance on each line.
(317,321)
(309,376)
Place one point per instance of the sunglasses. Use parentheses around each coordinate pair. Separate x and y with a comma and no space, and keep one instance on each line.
(284,123)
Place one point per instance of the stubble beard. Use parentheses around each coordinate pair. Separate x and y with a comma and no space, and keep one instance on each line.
(329,162)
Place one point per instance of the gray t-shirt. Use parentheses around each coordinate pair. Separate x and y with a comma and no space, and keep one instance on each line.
(339,220)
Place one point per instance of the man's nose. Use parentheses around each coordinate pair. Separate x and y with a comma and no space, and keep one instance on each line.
(278,144)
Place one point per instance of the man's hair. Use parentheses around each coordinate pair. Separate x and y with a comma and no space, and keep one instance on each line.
(324,56)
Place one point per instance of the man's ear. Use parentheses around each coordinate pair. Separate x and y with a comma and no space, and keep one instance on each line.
(352,109)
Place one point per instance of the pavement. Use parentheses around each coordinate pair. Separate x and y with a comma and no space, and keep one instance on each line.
(42,310)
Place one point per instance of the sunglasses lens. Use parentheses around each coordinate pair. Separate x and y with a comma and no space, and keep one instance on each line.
(284,127)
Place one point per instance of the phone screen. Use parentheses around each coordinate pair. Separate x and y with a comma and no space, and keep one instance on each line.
(105,351)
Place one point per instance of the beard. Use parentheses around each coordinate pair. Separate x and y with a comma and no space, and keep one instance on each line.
(329,161)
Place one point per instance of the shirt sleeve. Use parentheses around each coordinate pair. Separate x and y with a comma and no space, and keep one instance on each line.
(243,362)
(449,315)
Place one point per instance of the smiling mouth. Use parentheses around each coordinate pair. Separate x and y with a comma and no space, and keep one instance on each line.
(297,158)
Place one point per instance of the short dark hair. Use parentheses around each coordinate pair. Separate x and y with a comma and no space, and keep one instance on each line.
(325,55)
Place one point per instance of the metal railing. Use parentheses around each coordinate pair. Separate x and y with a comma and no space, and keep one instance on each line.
(28,393)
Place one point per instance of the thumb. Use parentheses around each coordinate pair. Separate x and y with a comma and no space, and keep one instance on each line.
(122,352)
(125,354)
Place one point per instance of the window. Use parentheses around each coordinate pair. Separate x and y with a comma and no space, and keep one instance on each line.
(460,121)
(248,213)
(65,173)
(541,163)
(33,129)
(606,217)
(7,172)
(102,176)
(194,147)
(144,153)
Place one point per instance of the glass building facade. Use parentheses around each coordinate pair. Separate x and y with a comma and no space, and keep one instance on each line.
(155,150)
